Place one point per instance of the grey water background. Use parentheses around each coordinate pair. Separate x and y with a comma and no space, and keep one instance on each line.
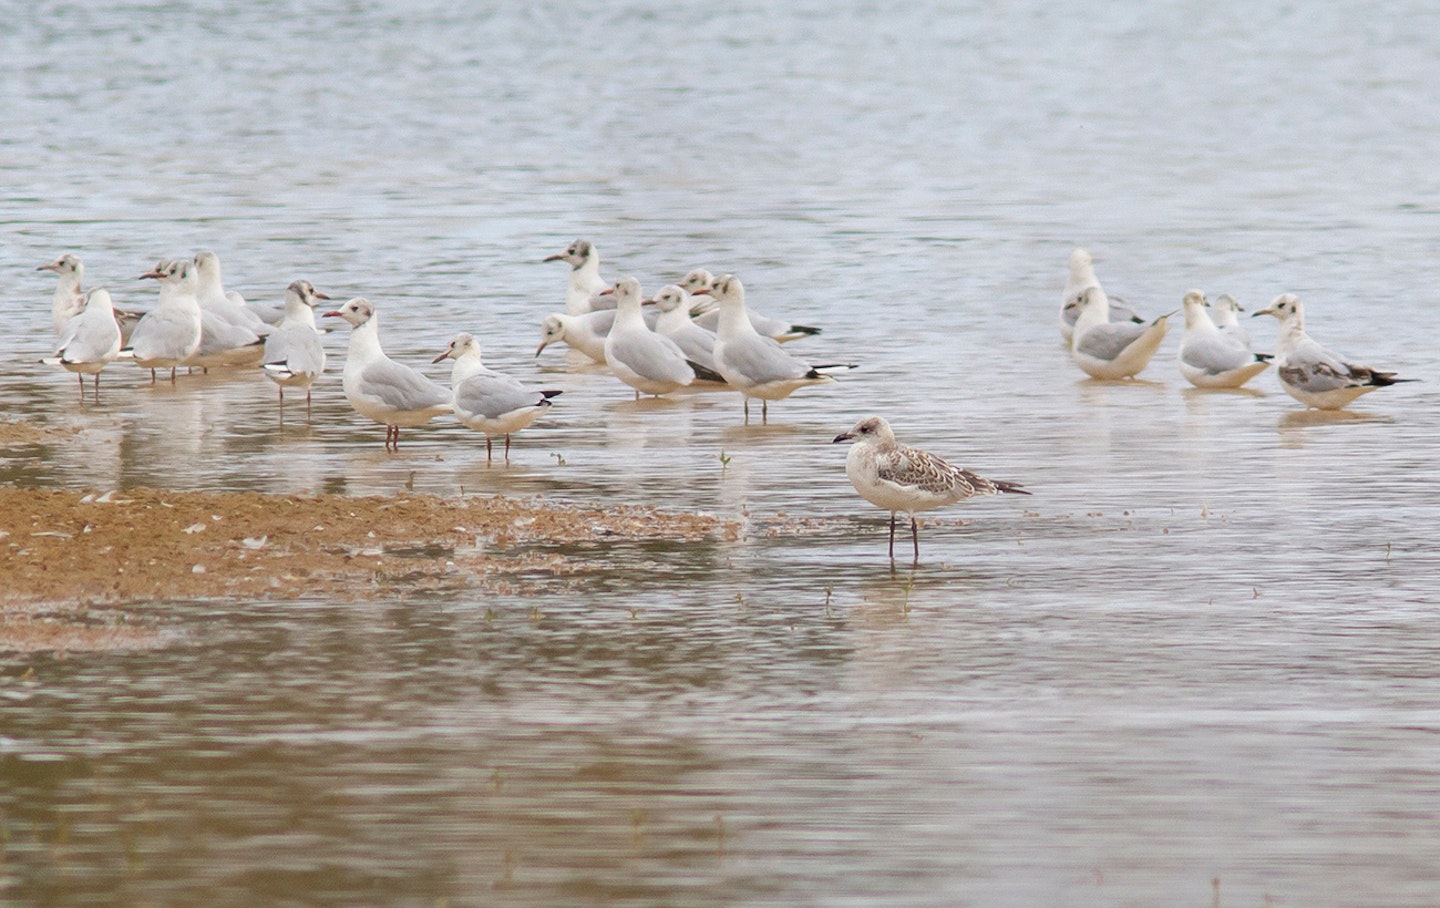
(1199,666)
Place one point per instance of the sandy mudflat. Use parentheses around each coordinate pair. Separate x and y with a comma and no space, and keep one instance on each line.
(64,553)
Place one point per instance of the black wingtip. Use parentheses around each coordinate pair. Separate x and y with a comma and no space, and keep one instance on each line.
(547,394)
(1264,357)
(804,329)
(704,374)
(1012,488)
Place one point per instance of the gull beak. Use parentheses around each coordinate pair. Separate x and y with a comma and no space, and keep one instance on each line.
(703,291)
(149,274)
(440,357)
(53,266)
(554,258)
(543,345)
(320,296)
(1262,312)
(647,302)
(608,291)
(843,436)
(333,313)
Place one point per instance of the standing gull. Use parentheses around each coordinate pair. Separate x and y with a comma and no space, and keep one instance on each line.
(380,388)
(91,339)
(648,362)
(69,297)
(1082,277)
(585,333)
(585,284)
(1209,358)
(675,323)
(169,334)
(898,478)
(489,401)
(1112,350)
(294,356)
(700,281)
(751,362)
(1311,374)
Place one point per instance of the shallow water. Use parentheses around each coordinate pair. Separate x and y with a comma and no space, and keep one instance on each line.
(1198,663)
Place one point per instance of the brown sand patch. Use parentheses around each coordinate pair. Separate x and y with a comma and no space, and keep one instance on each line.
(22,434)
(72,550)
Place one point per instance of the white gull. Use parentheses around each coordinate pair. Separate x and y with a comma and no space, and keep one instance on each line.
(294,356)
(90,340)
(1209,358)
(699,281)
(380,388)
(169,334)
(1112,350)
(488,401)
(1081,277)
(1310,373)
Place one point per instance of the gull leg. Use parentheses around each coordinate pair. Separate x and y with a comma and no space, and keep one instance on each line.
(172,375)
(282,405)
(915,537)
(892,536)
(488,457)
(764,412)
(307,404)
(152,376)
(747,409)
(507,447)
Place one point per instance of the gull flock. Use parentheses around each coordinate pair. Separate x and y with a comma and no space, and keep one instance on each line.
(696,334)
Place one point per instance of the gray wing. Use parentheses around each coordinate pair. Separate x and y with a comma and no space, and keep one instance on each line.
(1105,342)
(297,348)
(401,387)
(696,343)
(87,339)
(1215,353)
(161,333)
(1311,367)
(759,359)
(492,395)
(218,334)
(652,356)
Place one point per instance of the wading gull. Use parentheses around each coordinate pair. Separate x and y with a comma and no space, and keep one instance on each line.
(1081,277)
(169,334)
(91,339)
(294,356)
(1311,374)
(1112,350)
(648,362)
(489,401)
(1209,358)
(897,478)
(699,281)
(380,388)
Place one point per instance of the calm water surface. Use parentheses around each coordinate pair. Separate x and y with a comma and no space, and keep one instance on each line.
(1199,665)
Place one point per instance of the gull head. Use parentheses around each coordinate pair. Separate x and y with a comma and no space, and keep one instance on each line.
(576,254)
(161,269)
(460,345)
(208,264)
(670,298)
(1080,262)
(627,292)
(697,281)
(1285,307)
(357,311)
(551,330)
(1194,303)
(1091,297)
(305,292)
(65,264)
(1227,303)
(99,297)
(873,429)
(727,289)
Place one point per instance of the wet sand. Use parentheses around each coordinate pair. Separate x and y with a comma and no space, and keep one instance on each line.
(71,557)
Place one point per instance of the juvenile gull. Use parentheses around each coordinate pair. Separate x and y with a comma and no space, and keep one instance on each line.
(90,340)
(380,388)
(898,478)
(169,334)
(1310,373)
(1112,350)
(1209,358)
(585,285)
(700,281)
(489,401)
(752,363)
(1081,277)
(294,356)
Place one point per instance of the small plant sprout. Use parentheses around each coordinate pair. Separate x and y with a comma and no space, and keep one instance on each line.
(724,459)
(559,458)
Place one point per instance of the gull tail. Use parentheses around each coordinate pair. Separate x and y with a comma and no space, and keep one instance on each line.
(549,394)
(52,361)
(1264,357)
(822,370)
(1012,488)
(1383,379)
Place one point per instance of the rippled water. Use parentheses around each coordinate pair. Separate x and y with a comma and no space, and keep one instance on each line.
(1199,665)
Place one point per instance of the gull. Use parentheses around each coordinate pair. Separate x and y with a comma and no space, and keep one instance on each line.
(1082,276)
(488,401)
(699,281)
(1211,359)
(1112,350)
(751,362)
(69,297)
(675,306)
(380,388)
(216,301)
(585,286)
(90,339)
(294,356)
(1311,374)
(169,334)
(648,362)
(898,478)
(585,333)
(1226,319)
